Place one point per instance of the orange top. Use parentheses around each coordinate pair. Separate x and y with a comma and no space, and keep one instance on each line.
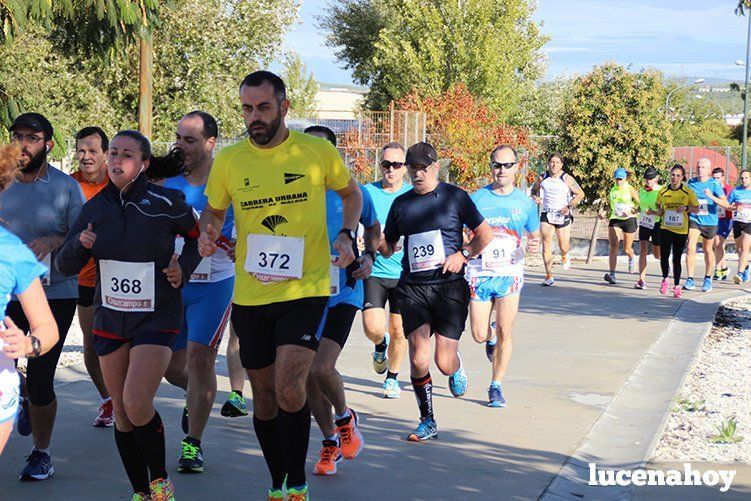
(87,277)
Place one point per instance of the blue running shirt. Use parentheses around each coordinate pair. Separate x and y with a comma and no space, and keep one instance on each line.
(385,267)
(742,198)
(707,215)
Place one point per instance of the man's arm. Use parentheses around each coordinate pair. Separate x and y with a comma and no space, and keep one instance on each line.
(210,225)
(483,235)
(351,208)
(372,239)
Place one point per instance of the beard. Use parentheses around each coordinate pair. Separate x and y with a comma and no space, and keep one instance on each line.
(36,162)
(265,136)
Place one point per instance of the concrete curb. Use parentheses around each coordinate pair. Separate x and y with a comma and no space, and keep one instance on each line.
(627,432)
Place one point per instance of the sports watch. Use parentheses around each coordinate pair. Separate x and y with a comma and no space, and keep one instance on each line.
(465,253)
(36,347)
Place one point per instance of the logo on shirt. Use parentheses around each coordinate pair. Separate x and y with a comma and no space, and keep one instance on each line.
(271,222)
(290,177)
(246,182)
(145,201)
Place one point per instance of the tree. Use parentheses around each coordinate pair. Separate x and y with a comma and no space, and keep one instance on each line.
(543,109)
(464,131)
(614,118)
(397,46)
(301,86)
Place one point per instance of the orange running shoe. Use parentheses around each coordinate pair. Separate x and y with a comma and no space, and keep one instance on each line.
(351,439)
(162,489)
(300,494)
(330,454)
(106,417)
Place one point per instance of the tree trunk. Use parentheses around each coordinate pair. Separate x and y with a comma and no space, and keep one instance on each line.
(593,239)
(145,86)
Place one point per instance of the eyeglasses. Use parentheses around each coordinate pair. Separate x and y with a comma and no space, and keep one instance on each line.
(498,165)
(29,138)
(385,164)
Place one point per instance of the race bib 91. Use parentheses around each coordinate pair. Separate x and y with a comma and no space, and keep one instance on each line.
(502,255)
(271,258)
(426,251)
(127,286)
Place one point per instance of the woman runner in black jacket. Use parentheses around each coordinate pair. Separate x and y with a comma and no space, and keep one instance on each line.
(129,228)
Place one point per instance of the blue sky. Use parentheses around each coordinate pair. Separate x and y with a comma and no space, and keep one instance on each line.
(680,37)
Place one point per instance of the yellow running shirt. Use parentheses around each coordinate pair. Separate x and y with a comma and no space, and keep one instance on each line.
(669,200)
(279,199)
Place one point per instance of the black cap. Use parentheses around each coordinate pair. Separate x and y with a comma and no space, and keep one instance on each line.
(421,153)
(34,121)
(650,173)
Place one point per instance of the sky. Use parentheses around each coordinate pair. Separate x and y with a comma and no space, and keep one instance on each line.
(700,38)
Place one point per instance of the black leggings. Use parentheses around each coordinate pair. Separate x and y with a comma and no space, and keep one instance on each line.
(675,243)
(40,372)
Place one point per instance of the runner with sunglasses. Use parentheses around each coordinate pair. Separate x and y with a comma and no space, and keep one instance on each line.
(386,334)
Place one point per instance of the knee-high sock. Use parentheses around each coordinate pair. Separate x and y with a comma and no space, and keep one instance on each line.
(294,434)
(151,441)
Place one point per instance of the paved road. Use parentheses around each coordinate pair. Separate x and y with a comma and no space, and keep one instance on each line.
(575,345)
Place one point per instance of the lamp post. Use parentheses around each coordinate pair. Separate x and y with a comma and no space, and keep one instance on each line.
(667,99)
(745,100)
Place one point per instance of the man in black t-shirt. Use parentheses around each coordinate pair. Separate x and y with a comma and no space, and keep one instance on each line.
(432,293)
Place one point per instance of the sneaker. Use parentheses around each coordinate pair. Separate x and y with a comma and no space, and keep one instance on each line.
(184,420)
(140,496)
(458,381)
(717,274)
(565,262)
(609,277)
(23,421)
(298,494)
(745,275)
(426,430)
(640,284)
(380,360)
(689,284)
(725,273)
(490,348)
(707,285)
(106,417)
(162,489)
(234,406)
(664,286)
(391,388)
(632,265)
(191,458)
(275,495)
(329,455)
(737,279)
(548,282)
(350,437)
(677,292)
(495,396)
(38,466)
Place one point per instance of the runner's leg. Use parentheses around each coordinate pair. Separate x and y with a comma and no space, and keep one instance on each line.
(201,387)
(506,310)
(693,240)
(547,230)
(709,256)
(234,366)
(90,358)
(479,318)
(564,238)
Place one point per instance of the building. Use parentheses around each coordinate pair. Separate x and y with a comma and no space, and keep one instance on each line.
(338,101)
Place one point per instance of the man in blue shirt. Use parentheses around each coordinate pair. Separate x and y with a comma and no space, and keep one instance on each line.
(704,223)
(496,277)
(341,436)
(380,287)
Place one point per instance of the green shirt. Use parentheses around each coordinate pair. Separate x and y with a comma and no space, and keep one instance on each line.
(621,202)
(648,200)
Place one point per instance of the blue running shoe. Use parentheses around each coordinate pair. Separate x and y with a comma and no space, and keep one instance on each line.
(23,421)
(707,286)
(426,430)
(458,381)
(38,466)
(495,396)
(490,348)
(745,275)
(689,284)
(391,388)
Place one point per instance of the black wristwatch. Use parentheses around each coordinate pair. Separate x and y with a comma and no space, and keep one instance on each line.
(465,253)
(350,233)
(36,347)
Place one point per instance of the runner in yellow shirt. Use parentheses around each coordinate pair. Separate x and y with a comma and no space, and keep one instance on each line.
(276,181)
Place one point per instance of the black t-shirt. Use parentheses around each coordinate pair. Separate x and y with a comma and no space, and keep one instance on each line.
(426,221)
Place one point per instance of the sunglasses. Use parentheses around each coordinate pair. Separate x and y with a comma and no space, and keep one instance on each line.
(498,165)
(385,164)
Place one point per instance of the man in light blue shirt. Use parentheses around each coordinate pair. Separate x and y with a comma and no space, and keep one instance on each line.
(380,287)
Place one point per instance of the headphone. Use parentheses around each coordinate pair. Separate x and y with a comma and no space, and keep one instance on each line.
(47,148)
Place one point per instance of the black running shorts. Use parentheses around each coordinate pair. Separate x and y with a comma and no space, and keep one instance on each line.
(567,220)
(443,306)
(106,344)
(337,322)
(740,228)
(262,329)
(378,291)
(627,225)
(707,232)
(646,234)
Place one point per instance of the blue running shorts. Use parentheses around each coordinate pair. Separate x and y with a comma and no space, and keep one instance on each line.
(206,308)
(724,226)
(489,288)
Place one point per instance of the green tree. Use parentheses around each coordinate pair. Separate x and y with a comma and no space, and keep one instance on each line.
(614,118)
(301,86)
(543,109)
(427,46)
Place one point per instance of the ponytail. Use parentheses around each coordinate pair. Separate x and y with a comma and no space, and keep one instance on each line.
(170,165)
(9,156)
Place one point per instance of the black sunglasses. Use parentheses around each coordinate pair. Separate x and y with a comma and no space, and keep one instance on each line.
(385,164)
(498,165)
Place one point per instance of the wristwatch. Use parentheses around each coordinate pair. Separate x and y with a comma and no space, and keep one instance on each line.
(350,233)
(36,347)
(465,253)
(371,253)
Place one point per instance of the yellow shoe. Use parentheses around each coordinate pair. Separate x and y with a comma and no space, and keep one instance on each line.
(275,495)
(298,494)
